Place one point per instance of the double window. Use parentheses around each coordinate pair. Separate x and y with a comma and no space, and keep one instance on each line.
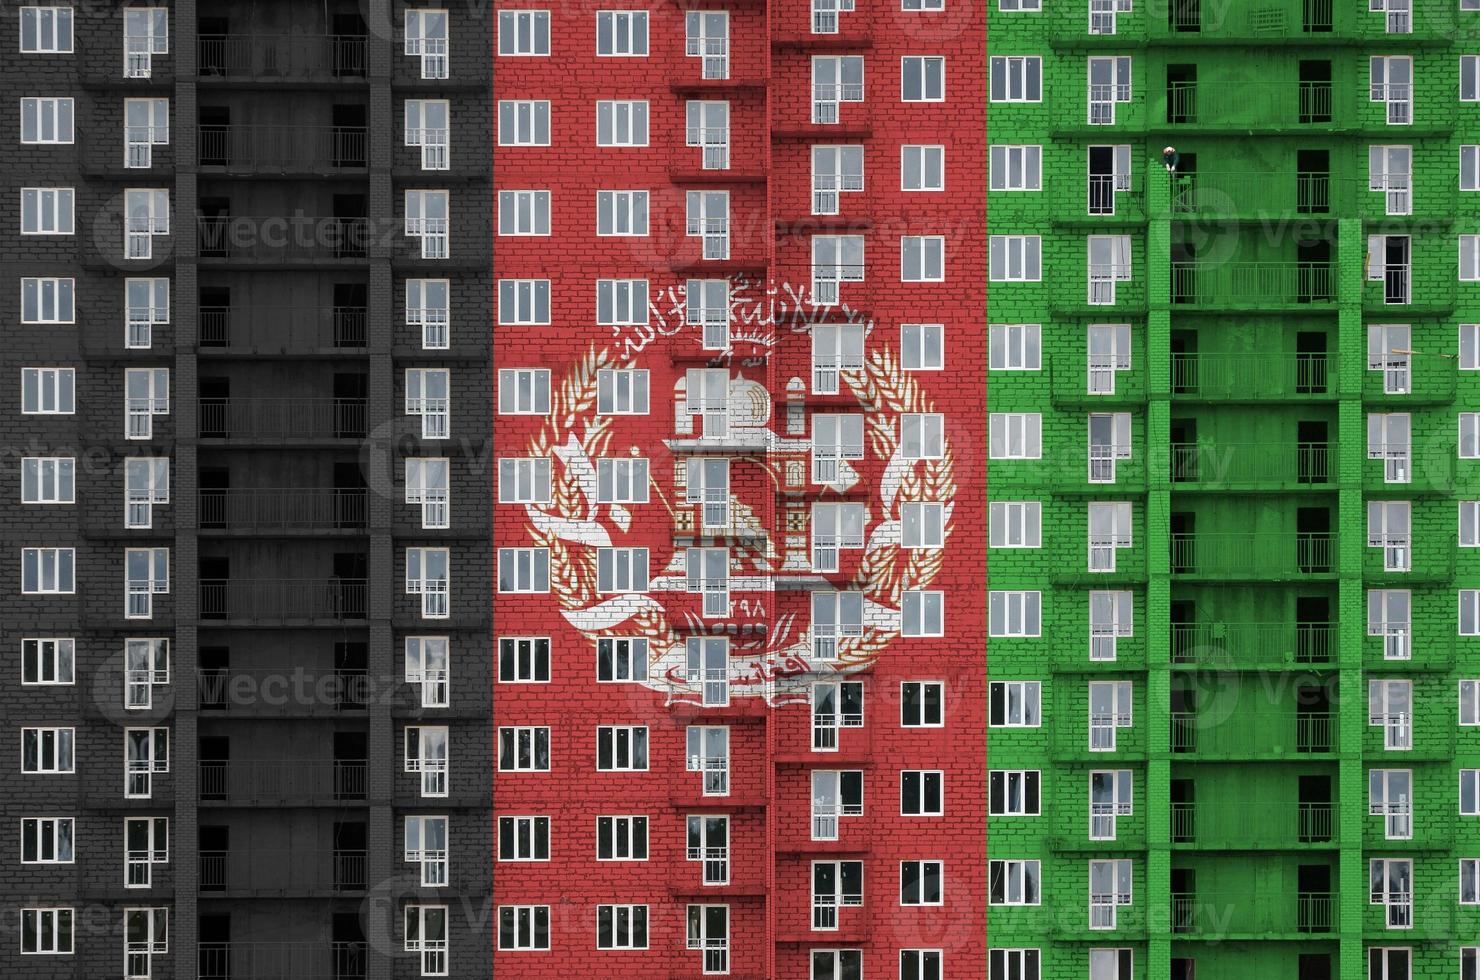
(426,937)
(146,33)
(146,217)
(146,665)
(835,80)
(146,842)
(427,486)
(146,394)
(146,753)
(922,78)
(428,307)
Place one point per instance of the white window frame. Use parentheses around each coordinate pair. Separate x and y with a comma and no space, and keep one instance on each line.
(922,78)
(420,746)
(421,579)
(523,213)
(922,612)
(140,589)
(429,222)
(52,571)
(1018,613)
(427,37)
(422,132)
(626,31)
(50,840)
(146,665)
(524,33)
(622,391)
(146,394)
(421,834)
(146,125)
(53,927)
(1397,96)
(48,391)
(48,211)
(434,410)
(55,751)
(1021,704)
(1390,707)
(46,30)
(525,570)
(922,346)
(146,32)
(625,122)
(621,660)
(423,925)
(623,836)
(51,121)
(139,862)
(524,302)
(428,485)
(146,753)
(926,163)
(146,213)
(1397,814)
(622,214)
(527,834)
(621,302)
(48,300)
(626,926)
(422,654)
(524,480)
(1016,258)
(146,306)
(1021,881)
(524,742)
(527,657)
(48,661)
(621,571)
(1014,78)
(429,307)
(48,480)
(524,122)
(524,391)
(1020,791)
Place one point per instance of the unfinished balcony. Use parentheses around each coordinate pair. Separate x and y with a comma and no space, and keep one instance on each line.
(1253,195)
(1211,915)
(1252,377)
(284,240)
(1248,735)
(283,601)
(293,510)
(280,420)
(1253,285)
(1258,556)
(278,782)
(1242,106)
(1231,826)
(251,872)
(281,151)
(1273,467)
(295,331)
(289,690)
(245,960)
(259,58)
(1252,646)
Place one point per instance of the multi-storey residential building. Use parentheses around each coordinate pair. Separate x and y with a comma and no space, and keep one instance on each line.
(739,375)
(1233,440)
(246,536)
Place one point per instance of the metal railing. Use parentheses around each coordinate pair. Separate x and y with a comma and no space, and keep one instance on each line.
(284,328)
(281,55)
(283,238)
(1253,823)
(274,780)
(1255,104)
(1252,733)
(1258,555)
(282,871)
(1252,644)
(1234,193)
(281,961)
(1251,376)
(304,508)
(1214,913)
(1229,464)
(287,149)
(1252,284)
(281,690)
(282,418)
(283,599)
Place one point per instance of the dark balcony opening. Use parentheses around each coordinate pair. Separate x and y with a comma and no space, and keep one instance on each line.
(1314,901)
(350,394)
(1184,16)
(1315,91)
(1184,362)
(1184,811)
(215,765)
(214,225)
(1310,362)
(1184,543)
(215,316)
(1391,262)
(1183,434)
(350,752)
(1313,271)
(1312,453)
(350,848)
(215,496)
(1313,181)
(215,855)
(348,940)
(1181,95)
(350,232)
(351,301)
(1314,966)
(215,586)
(214,951)
(215,677)
(1313,718)
(214,136)
(1184,274)
(1316,815)
(1313,541)
(1184,721)
(349,496)
(351,673)
(211,47)
(1315,632)
(348,45)
(1316,16)
(215,406)
(1184,631)
(1184,899)
(1102,180)
(348,136)
(1184,968)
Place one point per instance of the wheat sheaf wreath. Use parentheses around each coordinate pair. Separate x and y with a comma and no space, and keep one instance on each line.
(883,390)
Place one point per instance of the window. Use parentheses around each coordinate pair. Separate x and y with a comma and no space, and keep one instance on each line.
(835,705)
(48,660)
(524,212)
(621,123)
(925,964)
(621,213)
(707,126)
(147,574)
(922,346)
(621,748)
(428,574)
(1390,170)
(837,348)
(835,794)
(427,485)
(1016,258)
(524,659)
(46,840)
(835,439)
(1469,956)
(524,302)
(426,38)
(1109,84)
(1006,6)
(836,170)
(1013,882)
(1469,78)
(1014,704)
(836,259)
(1109,531)
(46,931)
(922,79)
(524,122)
(147,305)
(524,569)
(834,884)
(48,571)
(707,571)
(1109,263)
(47,211)
(1014,792)
(1110,796)
(921,793)
(428,392)
(426,845)
(707,486)
(146,32)
(1014,347)
(1469,346)
(523,33)
(1112,964)
(524,480)
(427,126)
(1392,83)
(522,749)
(146,842)
(1109,711)
(622,34)
(923,168)
(621,926)
(1014,168)
(922,258)
(1469,703)
(1392,887)
(922,704)
(47,300)
(1469,258)
(1109,888)
(1469,167)
(709,930)
(922,524)
(621,660)
(922,435)
(1390,439)
(1012,964)
(707,751)
(621,392)
(621,569)
(707,37)
(524,391)
(921,613)
(427,222)
(622,838)
(146,665)
(146,752)
(524,838)
(1014,614)
(427,752)
(46,30)
(1110,617)
(146,482)
(835,616)
(835,527)
(47,750)
(426,936)
(1017,78)
(1469,435)
(428,307)
(707,303)
(146,124)
(708,219)
(1387,351)
(835,80)
(1389,524)
(1390,796)
(427,668)
(1469,881)
(1109,440)
(1469,792)
(48,391)
(146,216)
(920,882)
(837,964)
(46,121)
(48,479)
(621,302)
(146,394)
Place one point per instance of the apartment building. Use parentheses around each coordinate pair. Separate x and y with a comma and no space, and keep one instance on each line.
(739,368)
(246,533)
(1232,450)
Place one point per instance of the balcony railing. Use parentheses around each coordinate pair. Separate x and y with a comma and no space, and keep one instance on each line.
(1252,734)
(285,56)
(285,329)
(1215,914)
(282,418)
(282,961)
(282,149)
(1237,194)
(282,872)
(1255,105)
(290,689)
(1235,645)
(283,599)
(1253,464)
(1251,376)
(1252,285)
(300,508)
(1254,555)
(283,238)
(1236,825)
(251,781)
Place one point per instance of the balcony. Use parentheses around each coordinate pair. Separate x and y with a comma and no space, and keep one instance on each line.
(289,690)
(282,961)
(1251,195)
(1415,380)
(1243,826)
(1225,646)
(1253,556)
(273,782)
(1246,106)
(300,872)
(1252,285)
(281,150)
(279,419)
(1252,734)
(283,239)
(1269,466)
(312,509)
(288,330)
(282,57)
(1252,377)
(283,600)
(1264,21)
(1213,915)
